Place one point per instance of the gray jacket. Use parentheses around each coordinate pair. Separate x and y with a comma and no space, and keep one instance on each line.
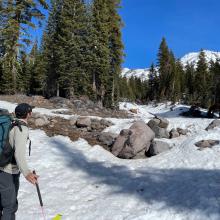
(18,140)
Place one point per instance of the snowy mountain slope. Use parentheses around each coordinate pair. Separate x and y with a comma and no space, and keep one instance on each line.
(86,183)
(194,57)
(143,74)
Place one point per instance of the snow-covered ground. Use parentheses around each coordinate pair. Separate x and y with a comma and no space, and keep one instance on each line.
(88,183)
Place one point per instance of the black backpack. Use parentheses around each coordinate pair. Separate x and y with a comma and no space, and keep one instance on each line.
(7,122)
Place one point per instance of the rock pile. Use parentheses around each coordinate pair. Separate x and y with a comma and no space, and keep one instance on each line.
(178,132)
(133,142)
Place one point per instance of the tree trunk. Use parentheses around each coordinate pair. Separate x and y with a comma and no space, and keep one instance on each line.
(113,93)
(58,90)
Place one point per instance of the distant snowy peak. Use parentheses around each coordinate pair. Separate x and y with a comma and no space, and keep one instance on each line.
(137,73)
(192,58)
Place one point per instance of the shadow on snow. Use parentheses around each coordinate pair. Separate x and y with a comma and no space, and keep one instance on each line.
(181,189)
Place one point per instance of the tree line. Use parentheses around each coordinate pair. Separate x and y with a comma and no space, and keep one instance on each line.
(80,53)
(169,80)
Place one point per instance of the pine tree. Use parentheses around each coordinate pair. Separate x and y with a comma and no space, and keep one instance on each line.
(189,88)
(132,89)
(164,65)
(178,82)
(116,51)
(50,49)
(23,81)
(101,53)
(215,81)
(123,89)
(17,16)
(153,84)
(36,75)
(202,81)
(172,79)
(71,47)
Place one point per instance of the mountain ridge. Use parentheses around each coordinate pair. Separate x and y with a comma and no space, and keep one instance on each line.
(191,58)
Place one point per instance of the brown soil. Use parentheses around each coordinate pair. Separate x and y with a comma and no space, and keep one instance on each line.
(37,101)
(61,126)
(41,102)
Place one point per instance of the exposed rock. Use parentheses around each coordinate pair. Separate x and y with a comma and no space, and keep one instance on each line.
(163,122)
(105,122)
(53,121)
(182,131)
(158,147)
(120,141)
(134,110)
(83,122)
(73,121)
(140,155)
(39,122)
(96,124)
(132,141)
(158,125)
(174,133)
(153,122)
(213,124)
(107,138)
(61,102)
(206,143)
(99,125)
(39,100)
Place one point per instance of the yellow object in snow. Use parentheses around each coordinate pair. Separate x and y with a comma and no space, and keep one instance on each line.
(58,217)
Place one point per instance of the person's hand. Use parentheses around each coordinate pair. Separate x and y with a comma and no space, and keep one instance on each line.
(32,178)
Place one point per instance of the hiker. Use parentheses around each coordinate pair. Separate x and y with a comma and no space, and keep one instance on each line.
(10,173)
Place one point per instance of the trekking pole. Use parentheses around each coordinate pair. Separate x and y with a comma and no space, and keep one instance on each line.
(39,196)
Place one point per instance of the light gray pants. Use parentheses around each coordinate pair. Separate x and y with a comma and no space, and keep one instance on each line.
(9,185)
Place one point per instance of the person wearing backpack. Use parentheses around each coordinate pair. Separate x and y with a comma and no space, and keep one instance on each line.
(13,159)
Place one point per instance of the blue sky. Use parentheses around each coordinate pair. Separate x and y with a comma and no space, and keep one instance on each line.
(187,25)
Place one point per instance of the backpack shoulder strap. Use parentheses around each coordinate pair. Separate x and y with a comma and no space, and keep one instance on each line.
(18,123)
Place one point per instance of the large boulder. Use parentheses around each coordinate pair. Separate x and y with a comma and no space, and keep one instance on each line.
(158,147)
(132,141)
(213,124)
